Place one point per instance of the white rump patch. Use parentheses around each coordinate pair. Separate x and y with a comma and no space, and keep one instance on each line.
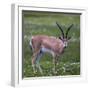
(30,43)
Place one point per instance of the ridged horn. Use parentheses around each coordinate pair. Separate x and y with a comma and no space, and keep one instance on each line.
(60,29)
(68,30)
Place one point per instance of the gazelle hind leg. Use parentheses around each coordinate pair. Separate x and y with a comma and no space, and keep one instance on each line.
(40,69)
(34,62)
(34,65)
(37,62)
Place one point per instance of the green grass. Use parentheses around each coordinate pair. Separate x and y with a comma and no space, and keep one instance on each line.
(45,23)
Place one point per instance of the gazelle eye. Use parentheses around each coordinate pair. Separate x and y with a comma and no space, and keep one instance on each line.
(61,38)
(69,38)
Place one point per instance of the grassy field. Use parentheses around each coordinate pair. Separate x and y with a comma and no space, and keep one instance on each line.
(45,23)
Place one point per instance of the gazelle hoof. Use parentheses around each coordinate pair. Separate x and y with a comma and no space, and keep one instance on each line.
(54,71)
(35,72)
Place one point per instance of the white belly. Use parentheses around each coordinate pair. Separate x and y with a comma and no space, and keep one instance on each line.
(45,50)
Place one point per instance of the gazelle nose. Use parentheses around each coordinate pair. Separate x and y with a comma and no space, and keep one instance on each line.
(65,45)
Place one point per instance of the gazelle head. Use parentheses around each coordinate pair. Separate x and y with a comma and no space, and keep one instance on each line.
(64,37)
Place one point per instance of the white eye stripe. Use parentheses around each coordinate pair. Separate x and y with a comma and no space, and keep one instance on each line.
(65,44)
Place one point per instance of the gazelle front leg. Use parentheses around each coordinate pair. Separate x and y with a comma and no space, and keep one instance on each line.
(54,65)
(55,62)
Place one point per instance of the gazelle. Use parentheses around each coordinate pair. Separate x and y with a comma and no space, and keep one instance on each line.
(41,44)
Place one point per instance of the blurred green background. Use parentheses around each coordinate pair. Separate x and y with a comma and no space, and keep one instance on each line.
(45,23)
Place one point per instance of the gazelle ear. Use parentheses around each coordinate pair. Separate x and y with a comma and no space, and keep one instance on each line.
(61,38)
(69,38)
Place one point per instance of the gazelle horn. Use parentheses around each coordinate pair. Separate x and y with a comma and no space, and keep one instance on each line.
(68,30)
(60,29)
